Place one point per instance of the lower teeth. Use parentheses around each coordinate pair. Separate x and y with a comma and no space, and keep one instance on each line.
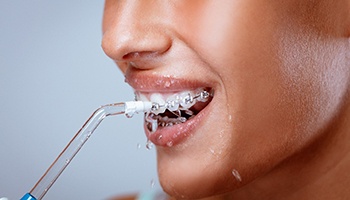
(172,121)
(154,121)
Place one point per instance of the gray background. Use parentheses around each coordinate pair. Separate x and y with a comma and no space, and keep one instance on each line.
(53,75)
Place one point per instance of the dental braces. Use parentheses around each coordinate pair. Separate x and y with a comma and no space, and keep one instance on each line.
(181,103)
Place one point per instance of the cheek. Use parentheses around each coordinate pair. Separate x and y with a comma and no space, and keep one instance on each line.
(314,78)
(285,101)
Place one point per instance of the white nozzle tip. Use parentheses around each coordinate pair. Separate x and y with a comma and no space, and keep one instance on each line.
(132,107)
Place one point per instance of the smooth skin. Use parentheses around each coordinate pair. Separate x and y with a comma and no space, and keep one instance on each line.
(280,71)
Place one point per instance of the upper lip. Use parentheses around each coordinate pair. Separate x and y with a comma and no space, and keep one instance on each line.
(161,83)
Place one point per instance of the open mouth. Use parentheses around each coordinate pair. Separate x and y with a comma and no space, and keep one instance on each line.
(174,108)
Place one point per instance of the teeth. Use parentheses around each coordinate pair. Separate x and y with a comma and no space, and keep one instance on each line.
(141,97)
(182,119)
(165,121)
(187,100)
(204,95)
(158,98)
(174,102)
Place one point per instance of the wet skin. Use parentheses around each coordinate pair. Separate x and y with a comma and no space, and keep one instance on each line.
(280,71)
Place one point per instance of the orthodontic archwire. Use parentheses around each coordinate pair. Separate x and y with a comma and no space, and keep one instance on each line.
(128,108)
(201,96)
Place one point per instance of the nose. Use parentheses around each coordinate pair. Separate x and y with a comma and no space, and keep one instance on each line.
(134,31)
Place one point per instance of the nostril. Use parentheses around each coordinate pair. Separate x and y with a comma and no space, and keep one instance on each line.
(139,54)
(131,55)
(142,59)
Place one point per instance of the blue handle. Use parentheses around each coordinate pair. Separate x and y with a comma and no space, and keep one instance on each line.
(28,196)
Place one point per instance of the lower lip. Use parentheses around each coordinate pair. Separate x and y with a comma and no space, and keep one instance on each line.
(173,135)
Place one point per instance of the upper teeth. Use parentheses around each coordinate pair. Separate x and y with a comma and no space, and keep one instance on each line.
(178,101)
(173,102)
(158,98)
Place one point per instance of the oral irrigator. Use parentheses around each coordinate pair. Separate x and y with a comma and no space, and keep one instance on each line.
(65,157)
(129,108)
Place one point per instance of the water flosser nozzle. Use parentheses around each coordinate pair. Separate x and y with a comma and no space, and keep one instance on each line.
(65,157)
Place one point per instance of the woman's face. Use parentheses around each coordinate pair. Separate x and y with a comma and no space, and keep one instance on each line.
(277,68)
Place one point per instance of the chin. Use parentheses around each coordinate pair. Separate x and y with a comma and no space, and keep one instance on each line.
(191,184)
(188,172)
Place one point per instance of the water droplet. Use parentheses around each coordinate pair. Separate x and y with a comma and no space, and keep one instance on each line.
(167,84)
(138,146)
(182,119)
(149,145)
(129,115)
(212,150)
(160,137)
(152,124)
(237,175)
(170,144)
(152,183)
